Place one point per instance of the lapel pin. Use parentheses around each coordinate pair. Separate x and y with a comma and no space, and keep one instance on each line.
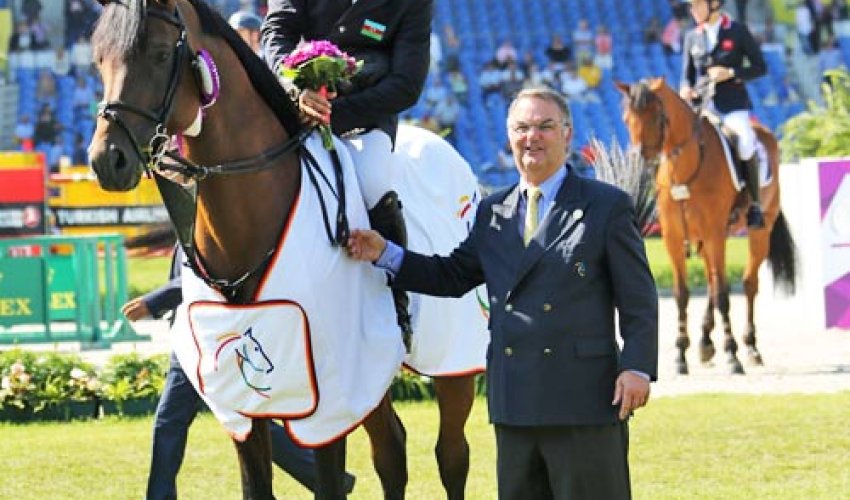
(578,214)
(581,269)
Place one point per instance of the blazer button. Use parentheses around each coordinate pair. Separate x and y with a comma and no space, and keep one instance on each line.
(547,351)
(342,29)
(547,307)
(509,307)
(509,351)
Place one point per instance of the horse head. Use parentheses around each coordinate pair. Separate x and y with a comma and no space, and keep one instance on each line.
(251,352)
(142,51)
(645,115)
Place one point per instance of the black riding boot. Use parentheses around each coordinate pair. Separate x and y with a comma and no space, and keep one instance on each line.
(755,217)
(386,218)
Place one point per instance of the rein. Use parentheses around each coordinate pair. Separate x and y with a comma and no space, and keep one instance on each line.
(181,202)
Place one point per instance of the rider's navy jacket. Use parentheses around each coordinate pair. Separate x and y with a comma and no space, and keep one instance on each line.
(392,37)
(735,44)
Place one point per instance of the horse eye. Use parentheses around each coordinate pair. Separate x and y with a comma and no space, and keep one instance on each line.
(163,56)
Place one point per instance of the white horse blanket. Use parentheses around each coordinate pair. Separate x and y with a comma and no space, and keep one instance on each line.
(319,347)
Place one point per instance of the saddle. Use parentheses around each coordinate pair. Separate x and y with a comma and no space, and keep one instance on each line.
(730,145)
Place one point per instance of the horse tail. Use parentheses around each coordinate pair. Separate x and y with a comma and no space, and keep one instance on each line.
(781,255)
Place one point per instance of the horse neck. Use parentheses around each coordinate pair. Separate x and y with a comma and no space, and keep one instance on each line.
(240,216)
(682,143)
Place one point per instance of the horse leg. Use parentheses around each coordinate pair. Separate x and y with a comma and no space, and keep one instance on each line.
(759,246)
(454,397)
(715,265)
(255,462)
(388,438)
(706,346)
(676,251)
(330,471)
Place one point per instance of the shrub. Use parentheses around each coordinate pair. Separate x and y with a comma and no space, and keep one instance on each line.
(131,376)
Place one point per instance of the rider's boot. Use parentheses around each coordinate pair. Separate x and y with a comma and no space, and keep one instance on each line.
(755,217)
(386,218)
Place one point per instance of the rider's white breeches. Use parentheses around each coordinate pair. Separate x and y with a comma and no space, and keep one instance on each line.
(739,122)
(374,163)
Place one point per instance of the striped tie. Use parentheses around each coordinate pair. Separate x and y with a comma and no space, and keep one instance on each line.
(531,213)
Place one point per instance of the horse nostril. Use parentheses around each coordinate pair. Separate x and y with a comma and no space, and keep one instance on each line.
(117,157)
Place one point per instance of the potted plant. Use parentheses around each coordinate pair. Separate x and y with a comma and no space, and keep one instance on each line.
(132,384)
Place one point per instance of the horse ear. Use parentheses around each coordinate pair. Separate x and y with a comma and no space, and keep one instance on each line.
(622,87)
(656,83)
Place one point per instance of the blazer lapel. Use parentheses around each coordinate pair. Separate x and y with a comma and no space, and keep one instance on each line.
(567,212)
(505,222)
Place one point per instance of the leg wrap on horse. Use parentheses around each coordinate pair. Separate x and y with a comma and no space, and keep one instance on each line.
(755,217)
(386,218)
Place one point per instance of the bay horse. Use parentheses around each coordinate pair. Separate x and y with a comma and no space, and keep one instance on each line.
(695,198)
(242,152)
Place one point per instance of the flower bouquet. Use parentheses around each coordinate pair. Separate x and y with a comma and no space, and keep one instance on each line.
(319,65)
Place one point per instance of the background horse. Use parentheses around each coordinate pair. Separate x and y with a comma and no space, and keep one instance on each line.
(233,118)
(695,197)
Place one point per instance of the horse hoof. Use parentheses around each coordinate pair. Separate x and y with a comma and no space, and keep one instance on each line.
(681,367)
(755,358)
(735,367)
(706,352)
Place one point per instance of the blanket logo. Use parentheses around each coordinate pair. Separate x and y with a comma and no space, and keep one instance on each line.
(251,359)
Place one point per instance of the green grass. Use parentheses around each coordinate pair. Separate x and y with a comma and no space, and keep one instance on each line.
(691,447)
(147,273)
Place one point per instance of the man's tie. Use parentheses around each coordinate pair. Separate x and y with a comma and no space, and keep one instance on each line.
(531,213)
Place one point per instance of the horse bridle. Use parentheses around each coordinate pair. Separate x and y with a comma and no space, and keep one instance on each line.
(152,154)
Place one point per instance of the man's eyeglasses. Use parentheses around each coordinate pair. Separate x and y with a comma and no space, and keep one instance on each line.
(543,128)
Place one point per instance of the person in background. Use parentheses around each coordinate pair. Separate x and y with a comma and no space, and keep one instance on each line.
(563,260)
(724,52)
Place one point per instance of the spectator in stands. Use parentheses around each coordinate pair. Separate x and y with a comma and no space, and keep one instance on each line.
(31,9)
(428,122)
(45,91)
(592,76)
(557,53)
(451,52)
(652,31)
(53,154)
(804,23)
(435,93)
(572,85)
(551,76)
(603,44)
(582,40)
(490,79)
(505,158)
(829,58)
(679,9)
(81,56)
(81,153)
(533,76)
(436,50)
(459,86)
(61,62)
(84,96)
(24,131)
(671,38)
(446,113)
(47,128)
(512,80)
(505,54)
(79,17)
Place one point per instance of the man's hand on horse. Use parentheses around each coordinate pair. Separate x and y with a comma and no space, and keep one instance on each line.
(720,73)
(366,244)
(631,391)
(136,309)
(315,108)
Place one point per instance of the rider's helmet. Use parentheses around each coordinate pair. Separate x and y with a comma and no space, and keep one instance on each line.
(245,20)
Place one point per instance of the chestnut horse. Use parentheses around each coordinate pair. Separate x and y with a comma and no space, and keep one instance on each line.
(696,197)
(154,86)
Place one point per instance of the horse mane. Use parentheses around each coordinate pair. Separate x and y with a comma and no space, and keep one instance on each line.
(639,95)
(262,78)
(120,30)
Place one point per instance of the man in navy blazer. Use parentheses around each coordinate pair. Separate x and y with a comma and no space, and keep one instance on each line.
(560,389)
